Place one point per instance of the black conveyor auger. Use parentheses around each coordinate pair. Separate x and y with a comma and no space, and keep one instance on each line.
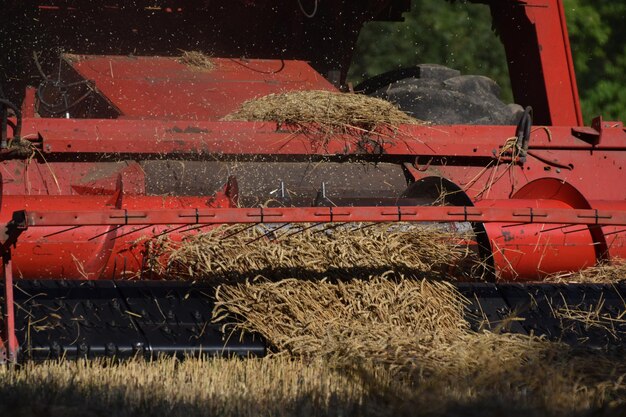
(123,319)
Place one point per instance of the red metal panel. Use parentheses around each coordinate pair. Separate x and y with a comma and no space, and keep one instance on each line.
(88,252)
(529,238)
(466,155)
(502,211)
(9,310)
(164,88)
(80,238)
(30,177)
(556,61)
(615,235)
(535,38)
(250,138)
(533,250)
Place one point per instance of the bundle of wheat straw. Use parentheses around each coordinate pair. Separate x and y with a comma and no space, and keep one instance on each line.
(373,318)
(347,250)
(416,329)
(604,273)
(333,110)
(197,61)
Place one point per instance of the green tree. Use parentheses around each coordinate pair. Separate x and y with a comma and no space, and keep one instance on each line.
(598,39)
(459,35)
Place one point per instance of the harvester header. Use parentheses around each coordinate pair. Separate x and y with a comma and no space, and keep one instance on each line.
(160,123)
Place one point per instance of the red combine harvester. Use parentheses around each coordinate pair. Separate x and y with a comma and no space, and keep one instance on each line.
(120,141)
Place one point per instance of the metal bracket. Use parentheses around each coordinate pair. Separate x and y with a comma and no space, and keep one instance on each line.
(9,346)
(523,132)
(592,135)
(8,342)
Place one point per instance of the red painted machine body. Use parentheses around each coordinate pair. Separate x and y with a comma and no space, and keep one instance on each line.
(142,129)
(122,142)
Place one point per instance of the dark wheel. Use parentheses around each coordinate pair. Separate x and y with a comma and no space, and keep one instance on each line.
(442,95)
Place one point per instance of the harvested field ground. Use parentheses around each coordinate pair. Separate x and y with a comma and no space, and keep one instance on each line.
(281,386)
(390,345)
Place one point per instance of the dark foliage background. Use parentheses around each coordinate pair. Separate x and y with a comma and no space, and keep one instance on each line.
(459,35)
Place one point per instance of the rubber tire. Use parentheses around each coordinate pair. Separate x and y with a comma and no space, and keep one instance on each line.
(442,95)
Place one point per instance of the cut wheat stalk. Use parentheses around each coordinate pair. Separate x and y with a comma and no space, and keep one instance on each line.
(236,252)
(370,123)
(197,61)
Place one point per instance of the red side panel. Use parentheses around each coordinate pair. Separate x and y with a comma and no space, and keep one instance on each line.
(535,38)
(164,88)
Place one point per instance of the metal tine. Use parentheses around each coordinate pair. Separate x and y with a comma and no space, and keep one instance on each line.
(568,231)
(192,228)
(250,226)
(350,230)
(332,227)
(132,231)
(615,232)
(302,230)
(64,230)
(169,231)
(371,224)
(105,233)
(365,227)
(555,228)
(594,226)
(267,234)
(513,225)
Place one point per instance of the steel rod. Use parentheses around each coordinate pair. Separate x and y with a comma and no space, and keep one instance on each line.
(24,219)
